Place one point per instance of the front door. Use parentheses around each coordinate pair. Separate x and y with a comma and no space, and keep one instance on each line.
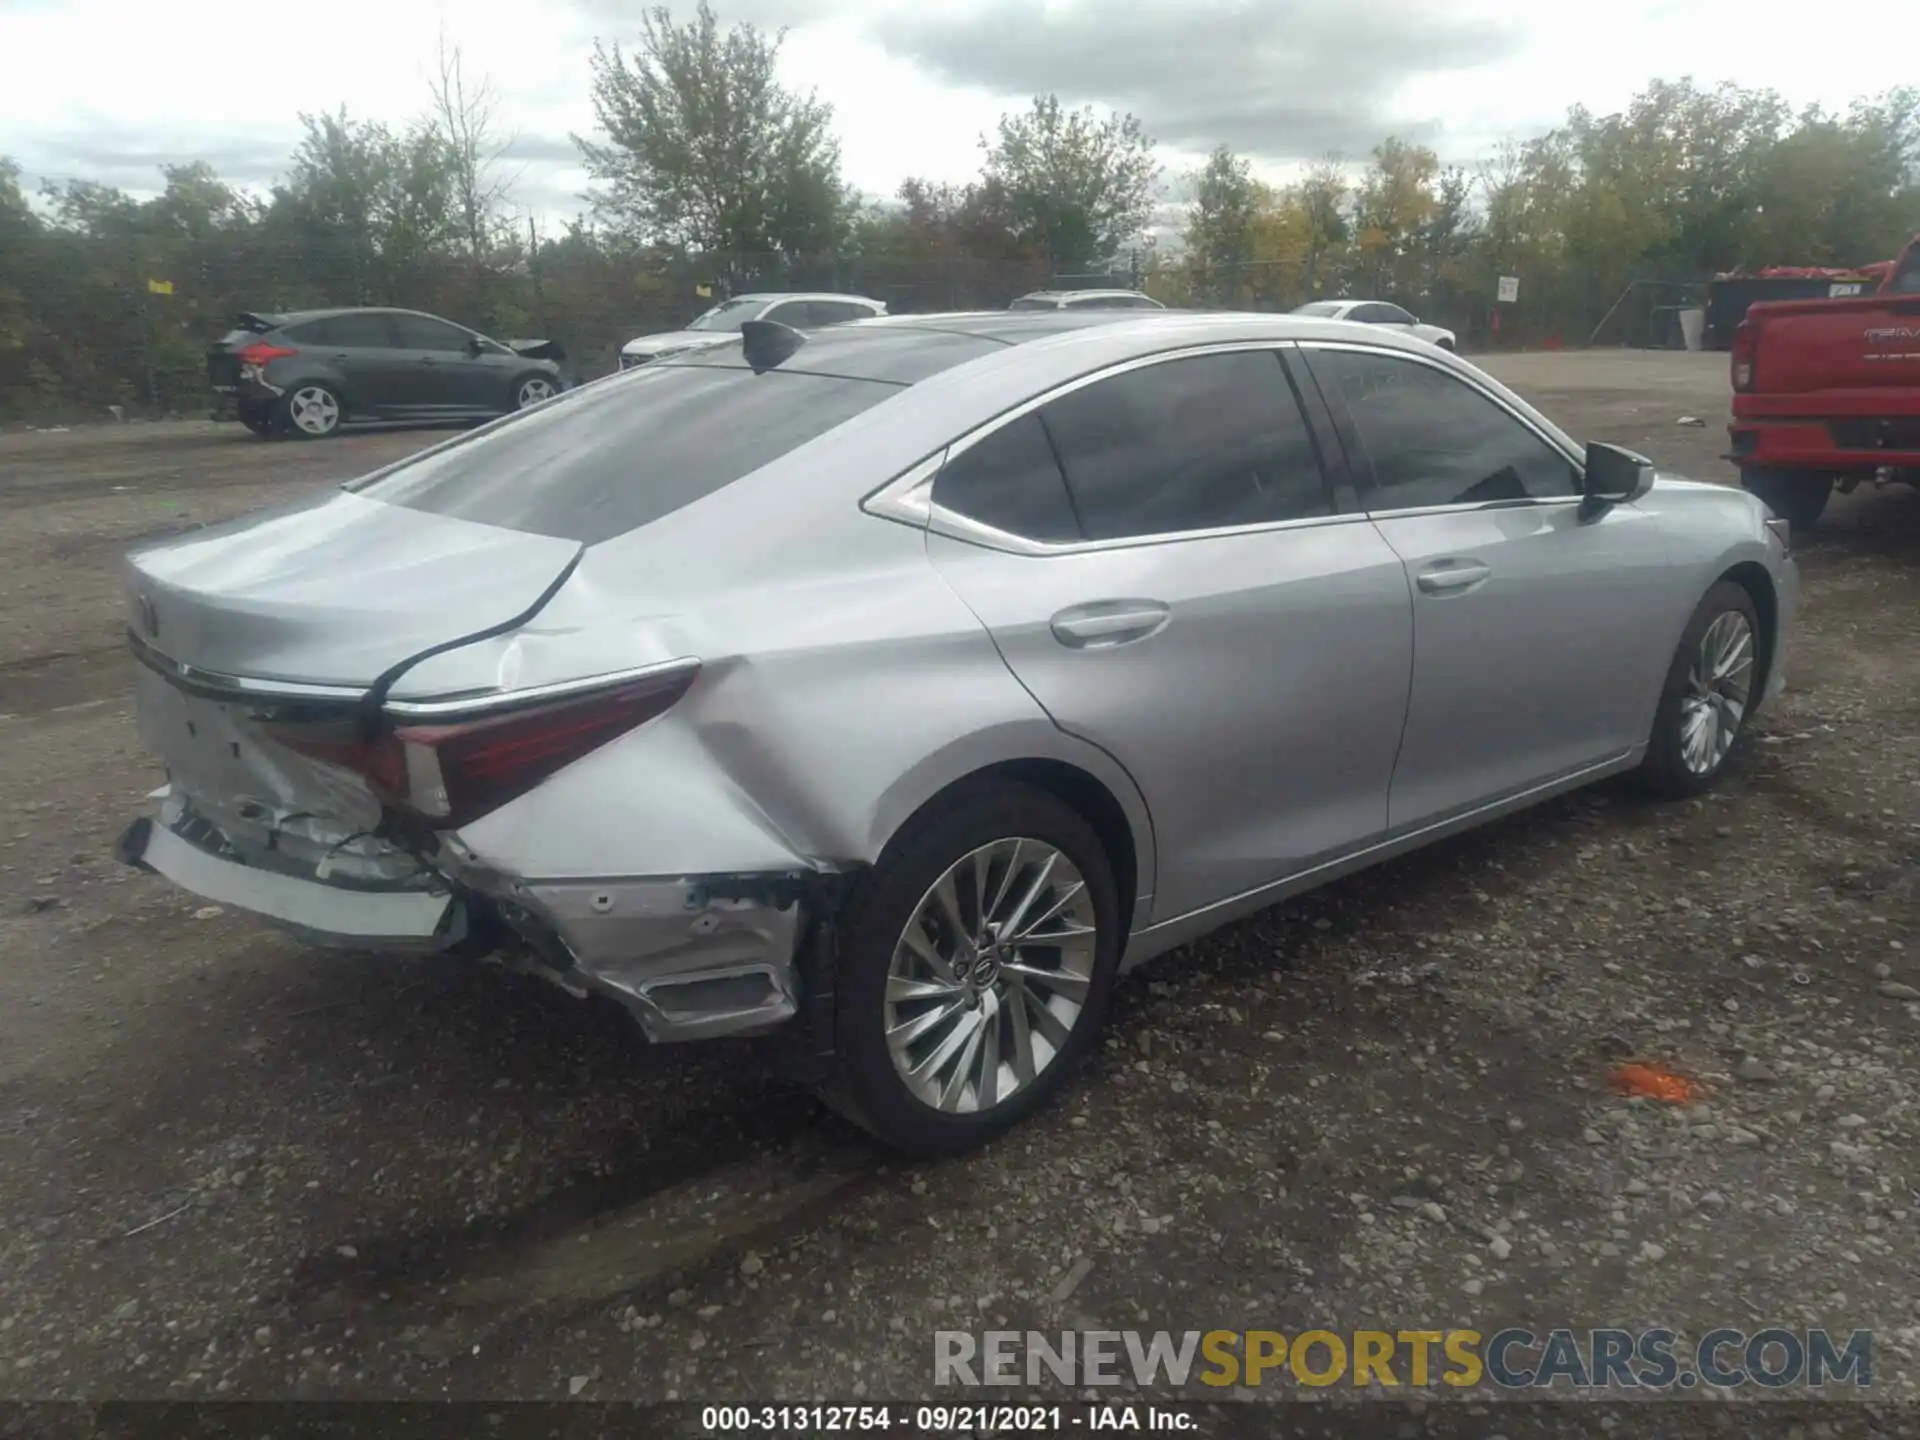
(1163,564)
(1539,646)
(449,377)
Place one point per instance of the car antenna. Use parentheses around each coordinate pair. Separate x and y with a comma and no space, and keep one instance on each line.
(766,343)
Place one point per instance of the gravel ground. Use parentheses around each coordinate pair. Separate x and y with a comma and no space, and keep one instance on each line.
(233,1169)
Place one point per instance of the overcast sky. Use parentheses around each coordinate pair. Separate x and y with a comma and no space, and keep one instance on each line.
(109,90)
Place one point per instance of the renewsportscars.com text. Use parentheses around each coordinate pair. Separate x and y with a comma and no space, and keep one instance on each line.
(1511,1359)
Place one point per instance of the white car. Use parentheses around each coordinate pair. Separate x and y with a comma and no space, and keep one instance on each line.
(804,311)
(1086,300)
(1378,312)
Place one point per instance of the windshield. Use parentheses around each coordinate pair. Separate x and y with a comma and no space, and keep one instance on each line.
(1327,308)
(727,315)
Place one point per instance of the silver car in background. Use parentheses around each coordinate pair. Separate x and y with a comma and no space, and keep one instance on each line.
(898,686)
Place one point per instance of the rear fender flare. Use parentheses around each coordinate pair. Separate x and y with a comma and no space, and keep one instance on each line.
(1021,740)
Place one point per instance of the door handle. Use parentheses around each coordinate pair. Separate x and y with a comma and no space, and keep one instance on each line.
(1106,623)
(1451,577)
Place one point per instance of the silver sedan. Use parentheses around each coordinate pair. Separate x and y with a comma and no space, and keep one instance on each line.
(897,687)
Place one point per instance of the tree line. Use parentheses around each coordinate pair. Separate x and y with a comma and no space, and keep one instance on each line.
(710,177)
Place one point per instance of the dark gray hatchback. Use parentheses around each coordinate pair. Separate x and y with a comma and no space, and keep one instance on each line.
(307,373)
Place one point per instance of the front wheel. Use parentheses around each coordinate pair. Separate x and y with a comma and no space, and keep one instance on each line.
(532,389)
(973,968)
(1796,496)
(1711,691)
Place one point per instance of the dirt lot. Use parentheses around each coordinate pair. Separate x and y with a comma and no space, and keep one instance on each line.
(232,1168)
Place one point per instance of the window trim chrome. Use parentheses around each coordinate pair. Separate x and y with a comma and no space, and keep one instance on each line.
(908,497)
(1464,375)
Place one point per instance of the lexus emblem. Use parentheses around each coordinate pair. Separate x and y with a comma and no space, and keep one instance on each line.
(149,617)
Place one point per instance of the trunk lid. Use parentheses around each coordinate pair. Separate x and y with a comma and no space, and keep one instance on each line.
(223,361)
(286,620)
(335,590)
(1867,343)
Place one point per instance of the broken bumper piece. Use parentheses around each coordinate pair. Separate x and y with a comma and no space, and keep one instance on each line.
(324,914)
(691,958)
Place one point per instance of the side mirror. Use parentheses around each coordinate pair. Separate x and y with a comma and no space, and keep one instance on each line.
(1613,476)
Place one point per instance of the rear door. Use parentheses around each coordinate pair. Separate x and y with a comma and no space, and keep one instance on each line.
(1539,638)
(1164,564)
(358,348)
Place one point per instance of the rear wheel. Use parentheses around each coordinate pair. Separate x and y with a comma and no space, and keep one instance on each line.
(973,969)
(311,412)
(1796,496)
(1713,686)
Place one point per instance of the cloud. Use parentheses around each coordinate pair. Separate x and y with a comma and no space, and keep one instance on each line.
(130,157)
(1282,82)
(621,19)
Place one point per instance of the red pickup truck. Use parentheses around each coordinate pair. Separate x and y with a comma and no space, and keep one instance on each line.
(1827,392)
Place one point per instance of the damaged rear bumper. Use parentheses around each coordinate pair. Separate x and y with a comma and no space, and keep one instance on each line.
(691,957)
(327,914)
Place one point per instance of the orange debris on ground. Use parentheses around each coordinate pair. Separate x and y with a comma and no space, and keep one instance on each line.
(1655,1082)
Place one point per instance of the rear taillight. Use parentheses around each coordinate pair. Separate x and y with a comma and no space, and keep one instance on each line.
(261,352)
(1746,346)
(450,772)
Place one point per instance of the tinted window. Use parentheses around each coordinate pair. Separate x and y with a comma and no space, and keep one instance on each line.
(728,315)
(363,331)
(1434,440)
(1187,445)
(1030,303)
(835,312)
(615,455)
(417,332)
(1326,308)
(793,312)
(1391,315)
(1011,481)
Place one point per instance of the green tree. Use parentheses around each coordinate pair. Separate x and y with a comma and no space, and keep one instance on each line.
(706,149)
(1221,227)
(1076,186)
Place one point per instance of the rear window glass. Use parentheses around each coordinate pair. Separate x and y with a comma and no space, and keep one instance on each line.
(618,454)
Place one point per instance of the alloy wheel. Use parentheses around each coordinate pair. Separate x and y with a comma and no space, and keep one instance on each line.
(991,975)
(534,390)
(1719,687)
(313,410)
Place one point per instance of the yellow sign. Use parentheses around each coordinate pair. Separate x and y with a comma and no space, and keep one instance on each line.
(705,292)
(159,287)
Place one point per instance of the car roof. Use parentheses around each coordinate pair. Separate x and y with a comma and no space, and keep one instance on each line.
(907,349)
(801,295)
(1079,294)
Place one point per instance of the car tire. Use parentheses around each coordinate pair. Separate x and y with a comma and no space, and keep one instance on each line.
(1796,496)
(1712,688)
(1034,847)
(310,411)
(531,390)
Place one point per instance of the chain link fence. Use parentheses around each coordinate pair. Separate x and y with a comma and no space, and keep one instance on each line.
(88,325)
